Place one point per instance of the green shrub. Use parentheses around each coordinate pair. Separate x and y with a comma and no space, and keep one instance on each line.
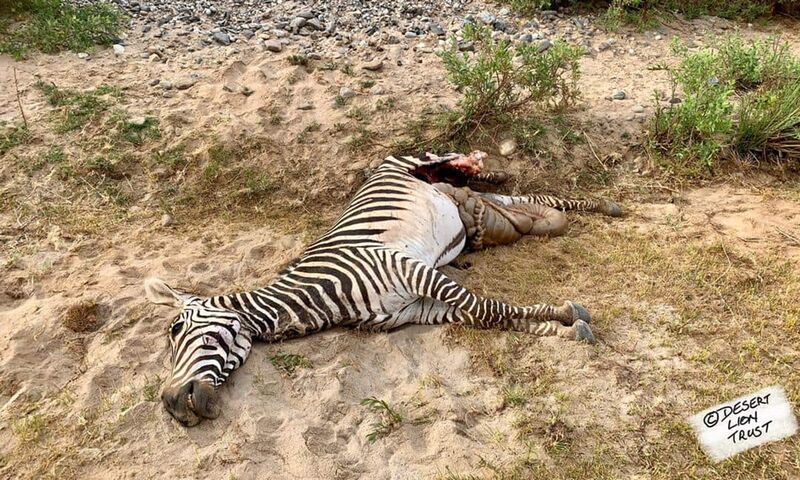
(502,84)
(51,26)
(739,96)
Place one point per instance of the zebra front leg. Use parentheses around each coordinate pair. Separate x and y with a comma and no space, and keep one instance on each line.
(570,320)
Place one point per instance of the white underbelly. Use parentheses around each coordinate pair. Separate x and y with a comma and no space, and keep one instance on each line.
(431,231)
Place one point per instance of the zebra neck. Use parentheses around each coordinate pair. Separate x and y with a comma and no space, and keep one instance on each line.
(269,313)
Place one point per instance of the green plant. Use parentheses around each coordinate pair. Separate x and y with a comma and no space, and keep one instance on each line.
(304,135)
(388,418)
(73,109)
(29,428)
(135,130)
(741,97)
(13,136)
(502,81)
(298,59)
(515,395)
(289,362)
(51,26)
(150,389)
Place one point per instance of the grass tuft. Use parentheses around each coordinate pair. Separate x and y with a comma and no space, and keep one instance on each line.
(389,419)
(289,362)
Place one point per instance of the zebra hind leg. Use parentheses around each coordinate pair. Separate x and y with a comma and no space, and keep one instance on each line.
(606,207)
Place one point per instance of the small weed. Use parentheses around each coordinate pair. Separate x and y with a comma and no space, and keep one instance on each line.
(13,136)
(150,389)
(304,135)
(385,104)
(29,428)
(135,130)
(515,396)
(388,421)
(339,101)
(298,59)
(358,114)
(369,83)
(347,69)
(289,362)
(360,139)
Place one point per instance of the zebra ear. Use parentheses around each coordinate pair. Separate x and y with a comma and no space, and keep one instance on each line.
(159,292)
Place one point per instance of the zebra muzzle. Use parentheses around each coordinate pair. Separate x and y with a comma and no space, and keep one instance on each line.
(191,402)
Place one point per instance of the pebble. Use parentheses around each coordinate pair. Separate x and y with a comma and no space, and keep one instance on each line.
(166,220)
(638,109)
(83,55)
(486,17)
(186,83)
(373,65)
(118,49)
(347,92)
(137,121)
(526,38)
(306,106)
(221,38)
(273,46)
(618,95)
(165,84)
(508,146)
(544,45)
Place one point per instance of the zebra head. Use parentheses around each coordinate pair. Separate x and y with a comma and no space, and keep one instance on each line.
(208,343)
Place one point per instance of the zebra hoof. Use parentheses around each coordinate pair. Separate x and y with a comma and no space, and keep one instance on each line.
(583,333)
(612,209)
(579,312)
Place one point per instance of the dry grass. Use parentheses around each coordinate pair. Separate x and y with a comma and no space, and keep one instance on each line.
(82,317)
(684,320)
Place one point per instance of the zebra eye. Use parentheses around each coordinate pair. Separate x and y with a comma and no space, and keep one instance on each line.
(176,328)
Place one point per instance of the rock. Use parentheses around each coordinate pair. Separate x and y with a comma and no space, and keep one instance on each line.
(221,38)
(307,14)
(137,121)
(544,45)
(508,146)
(658,37)
(347,92)
(273,46)
(377,90)
(466,46)
(118,49)
(604,46)
(315,24)
(245,90)
(486,17)
(499,25)
(248,34)
(526,38)
(297,23)
(675,100)
(83,55)
(618,95)
(166,220)
(165,84)
(638,109)
(154,58)
(410,35)
(306,106)
(373,65)
(153,82)
(436,29)
(280,33)
(186,83)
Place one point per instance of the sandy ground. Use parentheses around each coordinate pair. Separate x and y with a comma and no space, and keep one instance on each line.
(85,405)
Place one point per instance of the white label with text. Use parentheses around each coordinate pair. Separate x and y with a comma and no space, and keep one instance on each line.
(744,423)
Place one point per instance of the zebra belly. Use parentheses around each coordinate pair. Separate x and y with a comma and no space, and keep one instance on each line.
(432,232)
